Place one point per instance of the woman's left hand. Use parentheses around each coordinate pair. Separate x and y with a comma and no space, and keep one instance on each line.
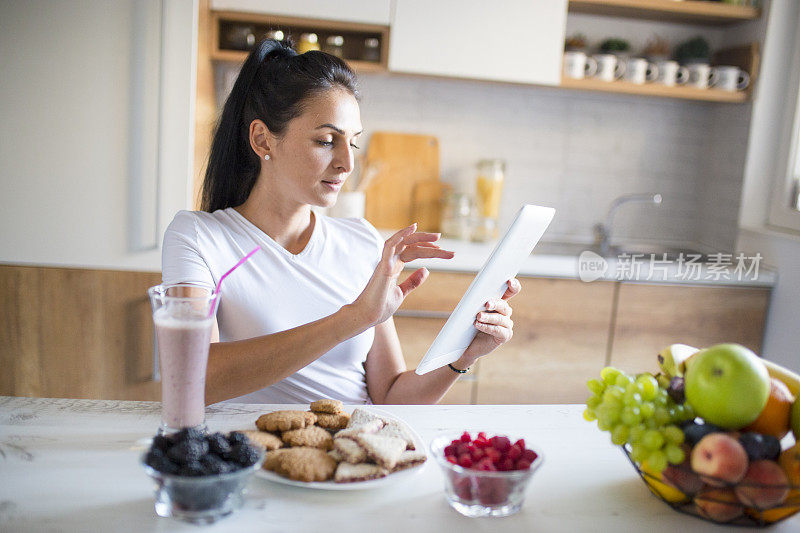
(494,326)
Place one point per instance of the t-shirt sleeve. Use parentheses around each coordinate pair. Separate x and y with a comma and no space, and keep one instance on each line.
(181,260)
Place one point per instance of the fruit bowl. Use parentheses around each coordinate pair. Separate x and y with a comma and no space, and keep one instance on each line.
(476,493)
(721,500)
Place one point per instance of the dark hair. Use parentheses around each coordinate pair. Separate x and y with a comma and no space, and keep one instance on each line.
(272,86)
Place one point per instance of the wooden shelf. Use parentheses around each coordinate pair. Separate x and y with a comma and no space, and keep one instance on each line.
(653,89)
(686,11)
(294,26)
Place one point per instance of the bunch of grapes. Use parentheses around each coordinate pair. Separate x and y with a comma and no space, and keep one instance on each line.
(640,413)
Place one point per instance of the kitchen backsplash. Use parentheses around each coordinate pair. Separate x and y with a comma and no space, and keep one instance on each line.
(578,151)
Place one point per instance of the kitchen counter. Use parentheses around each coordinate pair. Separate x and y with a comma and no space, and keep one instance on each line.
(561,260)
(72,465)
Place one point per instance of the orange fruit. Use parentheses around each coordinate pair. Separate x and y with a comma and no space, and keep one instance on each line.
(775,417)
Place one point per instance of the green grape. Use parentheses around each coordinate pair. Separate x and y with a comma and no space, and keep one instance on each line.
(607,416)
(649,386)
(688,411)
(631,415)
(647,409)
(650,423)
(609,375)
(636,433)
(594,402)
(661,398)
(657,460)
(602,424)
(613,394)
(661,416)
(589,414)
(652,440)
(678,413)
(596,386)
(639,453)
(619,435)
(623,380)
(673,434)
(632,398)
(674,454)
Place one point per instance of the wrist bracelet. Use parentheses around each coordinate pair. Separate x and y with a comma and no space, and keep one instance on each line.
(454,369)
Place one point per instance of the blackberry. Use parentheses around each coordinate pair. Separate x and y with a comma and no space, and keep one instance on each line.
(161,442)
(187,451)
(213,464)
(243,454)
(693,432)
(234,438)
(189,434)
(217,443)
(192,468)
(161,463)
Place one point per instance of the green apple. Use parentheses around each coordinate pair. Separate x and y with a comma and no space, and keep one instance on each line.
(727,385)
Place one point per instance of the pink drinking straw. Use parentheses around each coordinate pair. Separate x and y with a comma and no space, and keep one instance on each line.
(225,275)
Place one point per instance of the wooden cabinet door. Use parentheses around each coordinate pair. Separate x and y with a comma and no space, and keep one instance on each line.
(561,329)
(651,317)
(522,41)
(75,333)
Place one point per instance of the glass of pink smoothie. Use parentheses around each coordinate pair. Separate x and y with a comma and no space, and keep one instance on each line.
(183,315)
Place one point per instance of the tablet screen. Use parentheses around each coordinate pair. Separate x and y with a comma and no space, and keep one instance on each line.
(503,264)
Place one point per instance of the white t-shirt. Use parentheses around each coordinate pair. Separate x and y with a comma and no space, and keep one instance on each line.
(275,290)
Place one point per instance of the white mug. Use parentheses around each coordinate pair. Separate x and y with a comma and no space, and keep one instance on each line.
(731,78)
(670,73)
(702,76)
(609,67)
(578,65)
(638,70)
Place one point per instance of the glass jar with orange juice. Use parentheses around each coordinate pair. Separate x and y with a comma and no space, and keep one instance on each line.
(489,187)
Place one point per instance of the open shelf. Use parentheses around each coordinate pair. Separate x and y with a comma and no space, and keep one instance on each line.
(686,11)
(354,36)
(654,89)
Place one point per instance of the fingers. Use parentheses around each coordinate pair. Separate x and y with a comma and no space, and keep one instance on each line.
(500,306)
(391,243)
(413,281)
(420,236)
(514,286)
(495,319)
(417,252)
(500,333)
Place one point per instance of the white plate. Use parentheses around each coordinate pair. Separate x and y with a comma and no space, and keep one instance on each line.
(390,479)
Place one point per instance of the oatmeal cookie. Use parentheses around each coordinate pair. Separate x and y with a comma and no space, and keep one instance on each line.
(313,437)
(285,420)
(265,440)
(332,422)
(305,464)
(333,407)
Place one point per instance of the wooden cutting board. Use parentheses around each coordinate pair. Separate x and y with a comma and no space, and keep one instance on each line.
(407,184)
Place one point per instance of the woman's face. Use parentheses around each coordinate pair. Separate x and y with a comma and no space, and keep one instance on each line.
(314,157)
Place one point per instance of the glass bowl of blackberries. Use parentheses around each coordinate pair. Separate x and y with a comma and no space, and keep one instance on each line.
(199,477)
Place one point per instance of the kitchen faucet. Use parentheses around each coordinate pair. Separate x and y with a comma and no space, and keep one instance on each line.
(602,231)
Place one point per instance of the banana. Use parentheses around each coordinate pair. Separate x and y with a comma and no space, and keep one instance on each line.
(789,378)
(672,359)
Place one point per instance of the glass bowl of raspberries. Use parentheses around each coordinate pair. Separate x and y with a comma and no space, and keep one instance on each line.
(485,475)
(200,477)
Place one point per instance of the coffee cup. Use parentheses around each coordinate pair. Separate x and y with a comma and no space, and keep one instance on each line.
(702,76)
(731,78)
(670,73)
(578,65)
(609,67)
(639,70)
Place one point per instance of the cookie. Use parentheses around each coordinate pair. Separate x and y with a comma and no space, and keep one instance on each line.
(349,450)
(304,464)
(313,437)
(362,416)
(285,420)
(348,473)
(327,406)
(332,422)
(397,429)
(265,440)
(383,450)
(408,459)
(272,460)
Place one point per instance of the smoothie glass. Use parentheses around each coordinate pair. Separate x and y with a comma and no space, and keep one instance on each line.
(183,315)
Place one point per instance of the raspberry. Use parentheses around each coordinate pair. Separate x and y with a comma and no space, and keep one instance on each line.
(515,452)
(482,435)
(462,487)
(217,443)
(461,449)
(451,459)
(492,491)
(478,454)
(523,464)
(493,454)
(450,450)
(485,464)
(501,444)
(529,455)
(465,461)
(520,443)
(506,465)
(465,437)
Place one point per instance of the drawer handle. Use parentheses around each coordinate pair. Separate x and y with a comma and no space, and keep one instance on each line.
(405,313)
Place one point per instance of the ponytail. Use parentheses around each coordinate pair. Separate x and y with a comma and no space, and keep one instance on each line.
(272,86)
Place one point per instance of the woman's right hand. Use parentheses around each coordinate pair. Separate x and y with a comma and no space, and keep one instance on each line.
(383,295)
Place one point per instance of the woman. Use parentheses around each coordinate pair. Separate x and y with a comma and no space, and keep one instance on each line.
(309,316)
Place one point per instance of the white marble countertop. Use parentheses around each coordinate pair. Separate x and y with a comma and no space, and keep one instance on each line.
(560,260)
(72,465)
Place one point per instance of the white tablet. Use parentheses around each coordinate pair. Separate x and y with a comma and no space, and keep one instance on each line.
(503,264)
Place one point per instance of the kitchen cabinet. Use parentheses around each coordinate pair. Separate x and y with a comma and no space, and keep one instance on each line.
(363,11)
(522,42)
(650,317)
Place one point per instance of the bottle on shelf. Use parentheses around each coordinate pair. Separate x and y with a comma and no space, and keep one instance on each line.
(334,45)
(308,42)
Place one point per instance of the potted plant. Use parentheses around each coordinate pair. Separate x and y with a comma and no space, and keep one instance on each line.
(575,42)
(695,50)
(615,46)
(657,49)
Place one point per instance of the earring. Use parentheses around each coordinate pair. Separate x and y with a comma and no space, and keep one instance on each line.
(266,157)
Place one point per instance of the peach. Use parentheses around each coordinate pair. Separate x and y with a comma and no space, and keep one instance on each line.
(682,478)
(719,459)
(718,504)
(765,485)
